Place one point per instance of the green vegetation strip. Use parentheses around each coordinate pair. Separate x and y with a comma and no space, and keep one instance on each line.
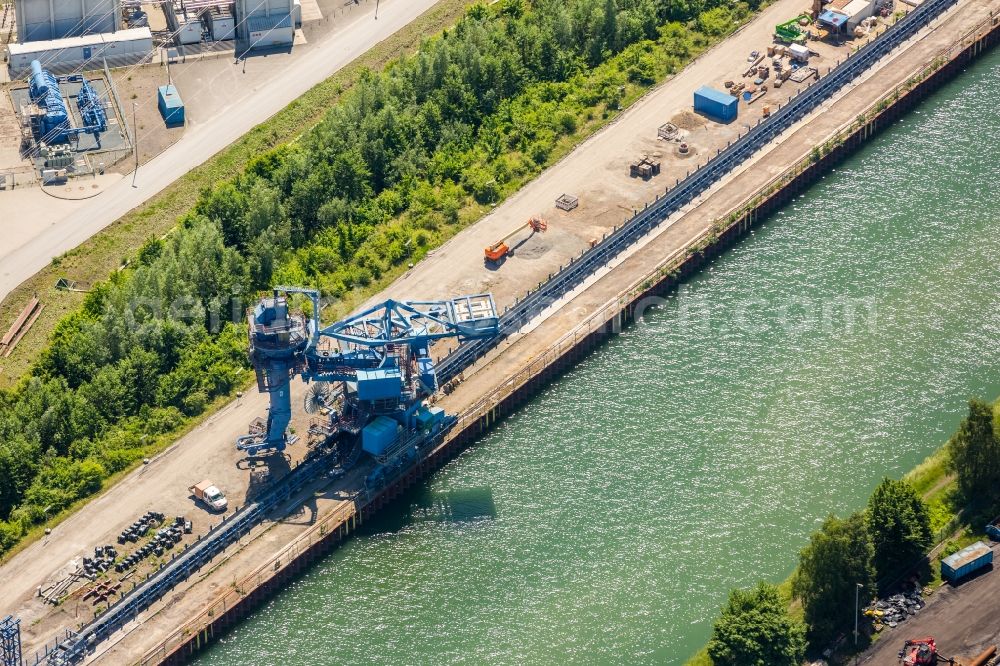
(907,527)
(106,251)
(403,161)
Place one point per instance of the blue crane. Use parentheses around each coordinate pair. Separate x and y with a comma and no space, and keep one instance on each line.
(379,360)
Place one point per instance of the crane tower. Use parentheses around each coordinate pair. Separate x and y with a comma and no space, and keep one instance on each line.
(371,373)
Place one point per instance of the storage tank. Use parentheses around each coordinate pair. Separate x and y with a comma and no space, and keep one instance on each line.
(44,91)
(716,104)
(41,82)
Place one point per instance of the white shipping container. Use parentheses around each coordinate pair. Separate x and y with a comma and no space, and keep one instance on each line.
(799,52)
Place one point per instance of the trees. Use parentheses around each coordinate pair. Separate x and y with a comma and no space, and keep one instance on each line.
(975,454)
(899,526)
(754,629)
(837,558)
(383,176)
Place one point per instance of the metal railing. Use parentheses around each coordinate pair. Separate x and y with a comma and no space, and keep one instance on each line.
(183,565)
(273,567)
(606,313)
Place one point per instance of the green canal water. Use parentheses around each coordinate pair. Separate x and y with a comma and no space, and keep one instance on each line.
(606,521)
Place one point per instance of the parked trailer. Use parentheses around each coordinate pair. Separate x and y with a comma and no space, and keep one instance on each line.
(966,561)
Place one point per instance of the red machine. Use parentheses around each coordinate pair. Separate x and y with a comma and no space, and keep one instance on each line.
(922,652)
(500,249)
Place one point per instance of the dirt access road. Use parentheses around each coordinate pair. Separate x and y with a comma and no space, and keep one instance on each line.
(597,171)
(66,226)
(963,621)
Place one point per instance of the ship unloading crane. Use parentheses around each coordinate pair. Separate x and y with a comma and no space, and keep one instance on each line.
(500,249)
(379,362)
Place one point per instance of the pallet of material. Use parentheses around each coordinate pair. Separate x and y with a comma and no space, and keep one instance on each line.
(803,73)
(567,202)
(644,168)
(21,326)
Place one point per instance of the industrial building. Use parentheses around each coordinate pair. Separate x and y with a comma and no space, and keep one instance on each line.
(39,20)
(69,124)
(263,24)
(122,48)
(846,15)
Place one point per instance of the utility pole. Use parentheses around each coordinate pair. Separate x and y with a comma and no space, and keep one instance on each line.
(135,144)
(857,589)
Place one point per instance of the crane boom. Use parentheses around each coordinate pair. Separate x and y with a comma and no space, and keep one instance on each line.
(380,356)
(500,249)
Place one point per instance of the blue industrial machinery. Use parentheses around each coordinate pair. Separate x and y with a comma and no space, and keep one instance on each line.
(92,110)
(10,642)
(73,649)
(380,360)
(54,123)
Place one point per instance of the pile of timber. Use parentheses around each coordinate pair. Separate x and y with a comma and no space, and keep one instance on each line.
(20,326)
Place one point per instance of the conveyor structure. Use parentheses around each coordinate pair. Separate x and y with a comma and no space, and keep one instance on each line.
(74,648)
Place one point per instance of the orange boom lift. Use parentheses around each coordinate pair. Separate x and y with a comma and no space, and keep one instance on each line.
(500,249)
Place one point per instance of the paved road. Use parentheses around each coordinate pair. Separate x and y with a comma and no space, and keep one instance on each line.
(200,142)
(962,620)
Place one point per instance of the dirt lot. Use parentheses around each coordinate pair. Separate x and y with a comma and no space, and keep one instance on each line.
(962,620)
(138,87)
(597,172)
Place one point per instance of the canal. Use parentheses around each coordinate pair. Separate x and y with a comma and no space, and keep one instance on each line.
(607,520)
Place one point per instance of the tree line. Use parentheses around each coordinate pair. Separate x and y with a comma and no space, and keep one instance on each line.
(865,554)
(380,180)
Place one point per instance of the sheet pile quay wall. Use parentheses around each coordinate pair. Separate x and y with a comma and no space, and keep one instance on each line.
(247,595)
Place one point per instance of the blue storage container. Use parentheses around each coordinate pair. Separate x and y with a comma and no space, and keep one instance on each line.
(966,561)
(379,384)
(716,104)
(171,106)
(378,435)
(428,417)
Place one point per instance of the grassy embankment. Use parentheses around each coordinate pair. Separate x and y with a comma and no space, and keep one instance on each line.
(107,251)
(936,483)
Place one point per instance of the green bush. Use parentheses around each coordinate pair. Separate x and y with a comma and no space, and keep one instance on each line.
(755,629)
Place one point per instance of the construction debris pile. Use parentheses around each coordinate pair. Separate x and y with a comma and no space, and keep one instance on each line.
(897,608)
